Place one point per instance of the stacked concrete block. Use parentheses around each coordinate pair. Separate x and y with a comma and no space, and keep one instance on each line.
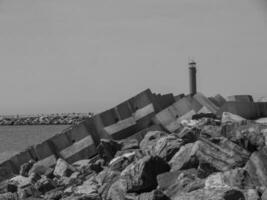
(130,116)
(204,101)
(241,98)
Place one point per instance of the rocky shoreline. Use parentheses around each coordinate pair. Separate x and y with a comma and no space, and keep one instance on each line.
(207,158)
(51,119)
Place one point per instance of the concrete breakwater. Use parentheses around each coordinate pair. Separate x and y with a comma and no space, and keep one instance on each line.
(51,119)
(132,118)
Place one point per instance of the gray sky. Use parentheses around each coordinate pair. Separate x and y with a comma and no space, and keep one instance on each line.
(81,56)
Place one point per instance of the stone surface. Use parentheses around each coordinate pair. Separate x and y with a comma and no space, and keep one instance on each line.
(256,167)
(167,146)
(63,168)
(142,175)
(150,140)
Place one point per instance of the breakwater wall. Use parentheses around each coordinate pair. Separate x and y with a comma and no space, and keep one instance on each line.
(129,119)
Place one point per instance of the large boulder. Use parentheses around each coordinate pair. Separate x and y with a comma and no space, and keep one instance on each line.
(256,167)
(185,158)
(63,168)
(105,180)
(9,196)
(167,146)
(221,154)
(39,169)
(141,176)
(45,184)
(108,148)
(88,188)
(118,190)
(249,136)
(186,181)
(228,117)
(25,168)
(212,194)
(150,140)
(154,195)
(119,163)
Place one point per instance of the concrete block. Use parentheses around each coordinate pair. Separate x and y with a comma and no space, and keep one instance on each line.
(241,98)
(81,149)
(187,104)
(7,170)
(165,100)
(204,101)
(45,154)
(60,141)
(21,158)
(168,118)
(244,109)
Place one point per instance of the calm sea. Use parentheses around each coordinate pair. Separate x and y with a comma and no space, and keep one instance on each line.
(14,139)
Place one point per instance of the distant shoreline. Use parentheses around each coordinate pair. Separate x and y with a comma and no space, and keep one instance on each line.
(42,119)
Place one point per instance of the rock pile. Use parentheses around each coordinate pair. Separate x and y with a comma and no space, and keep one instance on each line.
(207,159)
(51,119)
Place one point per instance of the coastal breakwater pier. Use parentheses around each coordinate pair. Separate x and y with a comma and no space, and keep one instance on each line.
(146,112)
(132,119)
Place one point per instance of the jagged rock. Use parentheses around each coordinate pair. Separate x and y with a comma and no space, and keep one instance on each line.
(63,168)
(186,181)
(130,144)
(55,194)
(167,146)
(189,135)
(39,169)
(211,194)
(230,117)
(97,166)
(117,190)
(150,140)
(81,164)
(20,181)
(141,176)
(74,179)
(79,197)
(25,168)
(249,136)
(215,181)
(238,178)
(185,157)
(11,187)
(205,169)
(256,167)
(252,194)
(204,115)
(27,191)
(88,188)
(211,131)
(105,180)
(121,162)
(108,148)
(264,195)
(221,154)
(165,180)
(154,195)
(45,184)
(9,196)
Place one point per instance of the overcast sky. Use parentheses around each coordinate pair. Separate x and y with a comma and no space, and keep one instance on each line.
(81,56)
